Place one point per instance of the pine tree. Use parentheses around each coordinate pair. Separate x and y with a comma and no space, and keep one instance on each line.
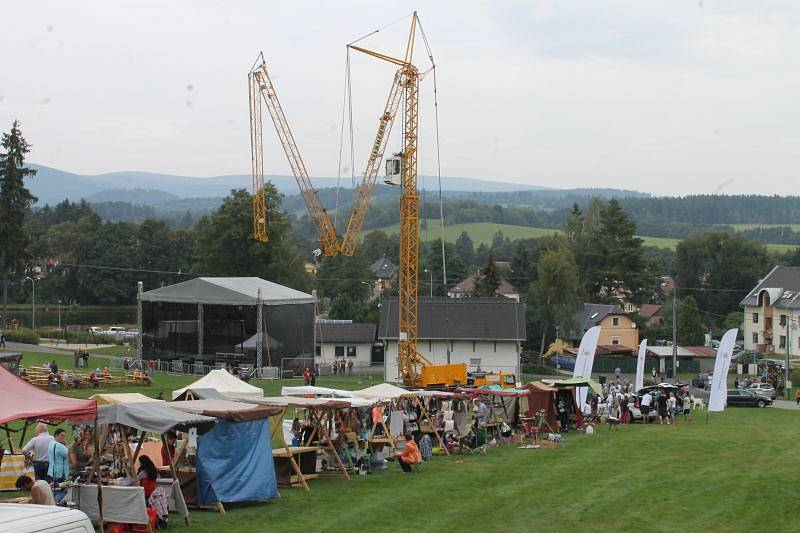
(488,279)
(465,248)
(691,329)
(15,201)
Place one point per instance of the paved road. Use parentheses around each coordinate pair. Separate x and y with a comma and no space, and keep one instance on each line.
(22,347)
(786,404)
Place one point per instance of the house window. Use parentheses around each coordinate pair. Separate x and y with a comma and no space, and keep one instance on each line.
(430,345)
(783,321)
(495,346)
(473,346)
(452,346)
(755,318)
(319,351)
(614,340)
(351,351)
(782,341)
(755,338)
(338,351)
(615,321)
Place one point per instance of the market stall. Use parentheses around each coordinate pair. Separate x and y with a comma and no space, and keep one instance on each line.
(567,389)
(115,423)
(394,396)
(316,438)
(231,387)
(23,401)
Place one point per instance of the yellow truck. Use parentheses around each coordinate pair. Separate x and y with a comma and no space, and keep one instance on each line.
(507,380)
(447,375)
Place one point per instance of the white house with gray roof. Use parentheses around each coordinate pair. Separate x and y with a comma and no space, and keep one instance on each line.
(772,313)
(481,332)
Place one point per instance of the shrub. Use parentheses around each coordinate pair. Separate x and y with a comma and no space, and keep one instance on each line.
(28,336)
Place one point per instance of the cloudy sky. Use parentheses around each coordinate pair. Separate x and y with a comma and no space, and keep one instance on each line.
(669,97)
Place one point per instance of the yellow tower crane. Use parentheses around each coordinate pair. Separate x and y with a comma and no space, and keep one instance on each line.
(413,368)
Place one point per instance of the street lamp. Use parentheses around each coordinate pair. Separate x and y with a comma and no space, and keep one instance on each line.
(60,334)
(33,301)
(431,285)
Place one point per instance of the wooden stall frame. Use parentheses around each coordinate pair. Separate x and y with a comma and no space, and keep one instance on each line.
(279,425)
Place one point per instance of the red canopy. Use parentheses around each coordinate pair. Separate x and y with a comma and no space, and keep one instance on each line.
(21,400)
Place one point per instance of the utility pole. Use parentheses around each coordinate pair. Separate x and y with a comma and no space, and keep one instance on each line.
(786,383)
(674,331)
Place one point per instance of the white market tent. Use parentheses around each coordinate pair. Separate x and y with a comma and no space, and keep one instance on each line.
(385,392)
(229,386)
(316,391)
(122,397)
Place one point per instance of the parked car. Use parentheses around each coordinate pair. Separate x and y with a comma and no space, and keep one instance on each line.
(97,330)
(40,518)
(567,362)
(765,389)
(116,331)
(745,398)
(702,381)
(131,333)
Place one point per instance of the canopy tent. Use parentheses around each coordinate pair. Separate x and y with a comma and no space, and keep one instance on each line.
(301,402)
(152,417)
(123,397)
(227,409)
(227,385)
(493,390)
(234,459)
(315,407)
(316,391)
(340,395)
(192,393)
(543,399)
(227,291)
(21,400)
(385,392)
(574,382)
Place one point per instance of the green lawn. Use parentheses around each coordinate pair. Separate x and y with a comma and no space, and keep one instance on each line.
(482,232)
(733,473)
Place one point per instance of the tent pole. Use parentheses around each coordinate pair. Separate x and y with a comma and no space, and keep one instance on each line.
(331,446)
(136,453)
(433,426)
(24,431)
(99,475)
(171,461)
(259,335)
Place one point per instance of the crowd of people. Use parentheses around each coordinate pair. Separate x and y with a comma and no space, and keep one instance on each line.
(618,397)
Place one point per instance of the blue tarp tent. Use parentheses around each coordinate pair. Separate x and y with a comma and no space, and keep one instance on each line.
(234,460)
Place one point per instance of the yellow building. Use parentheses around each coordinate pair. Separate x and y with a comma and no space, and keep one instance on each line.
(617,327)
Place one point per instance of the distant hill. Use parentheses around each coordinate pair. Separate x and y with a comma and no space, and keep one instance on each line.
(135,196)
(52,185)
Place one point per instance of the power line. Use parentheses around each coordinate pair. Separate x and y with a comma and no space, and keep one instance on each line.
(101,267)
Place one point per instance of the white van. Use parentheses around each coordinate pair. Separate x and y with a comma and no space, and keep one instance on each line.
(21,518)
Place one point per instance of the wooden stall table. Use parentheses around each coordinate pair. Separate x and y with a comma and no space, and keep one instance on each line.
(125,505)
(305,457)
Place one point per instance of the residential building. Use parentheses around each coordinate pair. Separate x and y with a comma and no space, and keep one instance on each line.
(652,313)
(341,339)
(466,287)
(617,326)
(772,313)
(484,333)
(384,272)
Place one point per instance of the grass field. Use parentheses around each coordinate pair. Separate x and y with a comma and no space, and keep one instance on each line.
(734,473)
(482,232)
(742,227)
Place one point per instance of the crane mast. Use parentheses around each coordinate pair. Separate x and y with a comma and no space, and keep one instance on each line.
(261,85)
(409,361)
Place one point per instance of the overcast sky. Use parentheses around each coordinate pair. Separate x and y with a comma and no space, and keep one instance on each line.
(669,97)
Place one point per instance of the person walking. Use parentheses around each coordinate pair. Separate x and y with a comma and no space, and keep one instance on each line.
(644,406)
(661,402)
(625,412)
(2,339)
(673,407)
(350,367)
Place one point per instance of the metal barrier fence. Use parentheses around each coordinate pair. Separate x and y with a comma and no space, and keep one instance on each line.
(179,367)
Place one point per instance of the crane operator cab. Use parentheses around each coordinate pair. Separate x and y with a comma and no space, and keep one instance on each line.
(394,170)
